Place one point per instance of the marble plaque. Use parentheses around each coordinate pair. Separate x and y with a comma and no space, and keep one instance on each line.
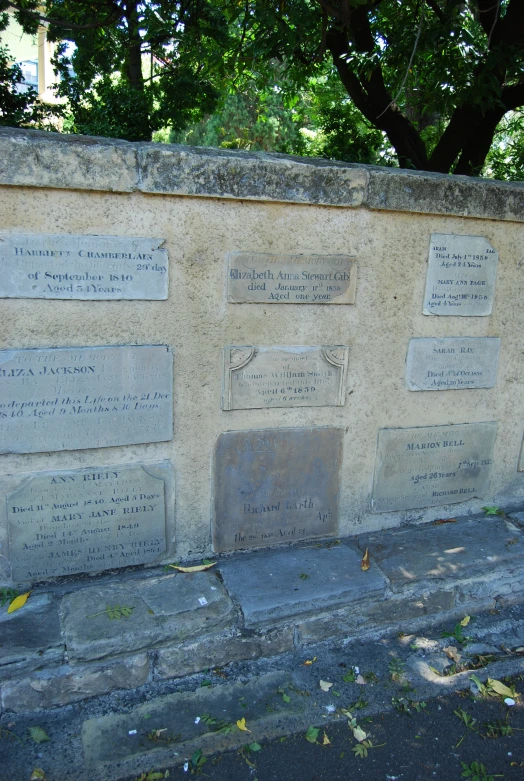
(461,276)
(262,278)
(452,363)
(276,485)
(90,268)
(88,520)
(85,397)
(262,377)
(432,465)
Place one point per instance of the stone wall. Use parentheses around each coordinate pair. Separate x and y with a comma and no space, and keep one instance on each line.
(208,209)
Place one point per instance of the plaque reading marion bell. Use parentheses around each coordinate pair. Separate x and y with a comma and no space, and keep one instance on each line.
(94,268)
(88,520)
(262,377)
(261,278)
(432,465)
(85,397)
(276,485)
(461,276)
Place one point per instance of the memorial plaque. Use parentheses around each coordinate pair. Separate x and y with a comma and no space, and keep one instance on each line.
(84,397)
(276,485)
(262,377)
(432,465)
(461,276)
(90,268)
(452,363)
(262,278)
(62,523)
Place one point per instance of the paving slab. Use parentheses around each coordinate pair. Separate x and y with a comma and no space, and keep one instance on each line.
(281,584)
(465,548)
(167,609)
(30,637)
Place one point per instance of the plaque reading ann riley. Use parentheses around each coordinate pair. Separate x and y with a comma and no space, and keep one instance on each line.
(461,276)
(452,363)
(90,268)
(276,485)
(262,377)
(261,278)
(431,465)
(85,397)
(88,520)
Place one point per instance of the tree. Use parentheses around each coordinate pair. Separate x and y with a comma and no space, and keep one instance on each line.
(437,76)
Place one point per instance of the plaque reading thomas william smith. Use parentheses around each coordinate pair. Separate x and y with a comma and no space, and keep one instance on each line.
(432,465)
(88,520)
(89,268)
(276,485)
(461,276)
(261,278)
(85,397)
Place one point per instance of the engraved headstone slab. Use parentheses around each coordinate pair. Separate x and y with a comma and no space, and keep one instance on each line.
(452,363)
(461,276)
(88,520)
(262,278)
(276,485)
(90,268)
(261,377)
(84,397)
(431,465)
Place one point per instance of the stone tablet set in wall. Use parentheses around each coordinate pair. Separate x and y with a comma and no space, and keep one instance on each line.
(270,485)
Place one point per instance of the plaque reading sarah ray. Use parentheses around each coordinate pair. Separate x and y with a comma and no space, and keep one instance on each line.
(432,465)
(452,363)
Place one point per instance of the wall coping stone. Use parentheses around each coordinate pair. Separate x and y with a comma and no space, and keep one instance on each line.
(32,158)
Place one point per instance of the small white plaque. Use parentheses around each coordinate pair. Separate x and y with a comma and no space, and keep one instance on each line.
(461,276)
(89,268)
(452,363)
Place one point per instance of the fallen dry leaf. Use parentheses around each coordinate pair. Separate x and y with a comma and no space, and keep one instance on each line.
(452,653)
(18,602)
(325,686)
(465,621)
(37,775)
(325,740)
(360,680)
(198,568)
(359,734)
(308,662)
(364,564)
(499,688)
(241,724)
(444,520)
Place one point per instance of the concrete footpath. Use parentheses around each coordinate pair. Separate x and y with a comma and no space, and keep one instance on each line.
(198,652)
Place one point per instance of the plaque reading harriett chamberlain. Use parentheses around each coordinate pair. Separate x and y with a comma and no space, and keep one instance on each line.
(461,276)
(261,278)
(452,363)
(88,520)
(262,377)
(90,268)
(432,465)
(85,397)
(276,485)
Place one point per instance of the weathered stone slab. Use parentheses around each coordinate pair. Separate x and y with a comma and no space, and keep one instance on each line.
(87,520)
(166,610)
(95,268)
(269,586)
(263,377)
(85,397)
(461,276)
(262,278)
(452,363)
(30,637)
(431,465)
(276,485)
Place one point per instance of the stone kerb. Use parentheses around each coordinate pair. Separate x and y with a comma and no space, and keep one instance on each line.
(40,159)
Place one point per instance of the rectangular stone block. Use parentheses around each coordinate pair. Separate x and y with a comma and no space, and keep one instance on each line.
(461,276)
(73,398)
(276,485)
(431,465)
(31,637)
(263,278)
(264,377)
(61,523)
(95,268)
(452,363)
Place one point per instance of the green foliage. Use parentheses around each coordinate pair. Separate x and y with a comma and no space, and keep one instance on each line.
(477,772)
(7,595)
